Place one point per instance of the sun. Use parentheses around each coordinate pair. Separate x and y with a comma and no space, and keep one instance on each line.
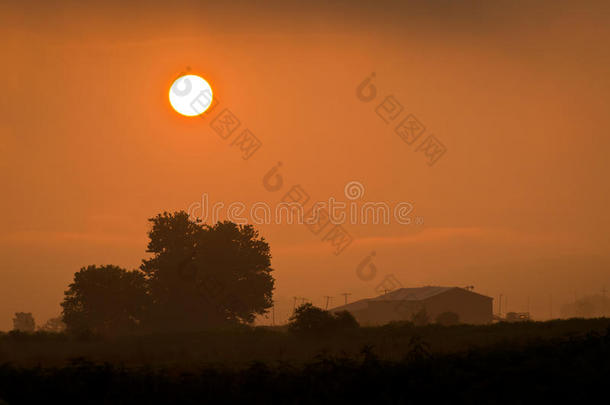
(190,95)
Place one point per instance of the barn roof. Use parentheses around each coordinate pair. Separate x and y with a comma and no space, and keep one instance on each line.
(412,294)
(400,294)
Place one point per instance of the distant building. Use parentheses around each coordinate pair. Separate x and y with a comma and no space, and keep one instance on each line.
(402,305)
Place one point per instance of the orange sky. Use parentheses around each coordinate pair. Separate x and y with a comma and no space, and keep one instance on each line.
(519,95)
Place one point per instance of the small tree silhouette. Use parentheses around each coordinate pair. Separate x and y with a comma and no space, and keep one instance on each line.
(420,318)
(24,322)
(105,300)
(309,320)
(345,320)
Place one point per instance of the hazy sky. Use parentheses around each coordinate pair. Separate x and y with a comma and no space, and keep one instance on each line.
(519,95)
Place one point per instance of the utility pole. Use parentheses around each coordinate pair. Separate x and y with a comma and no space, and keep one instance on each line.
(500,306)
(604,301)
(328,299)
(294,305)
(346,295)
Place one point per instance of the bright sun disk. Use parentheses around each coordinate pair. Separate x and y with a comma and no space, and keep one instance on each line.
(190,95)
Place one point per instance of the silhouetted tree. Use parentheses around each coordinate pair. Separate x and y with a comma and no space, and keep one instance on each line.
(345,320)
(105,300)
(448,318)
(54,325)
(201,275)
(308,319)
(24,322)
(420,318)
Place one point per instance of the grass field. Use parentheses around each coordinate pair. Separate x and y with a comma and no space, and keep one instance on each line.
(236,347)
(563,360)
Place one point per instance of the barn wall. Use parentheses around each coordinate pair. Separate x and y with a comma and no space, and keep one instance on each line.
(382,312)
(472,308)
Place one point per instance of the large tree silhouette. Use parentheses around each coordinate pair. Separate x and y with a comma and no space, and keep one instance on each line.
(105,300)
(202,275)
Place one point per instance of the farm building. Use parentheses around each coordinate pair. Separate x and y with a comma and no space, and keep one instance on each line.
(402,304)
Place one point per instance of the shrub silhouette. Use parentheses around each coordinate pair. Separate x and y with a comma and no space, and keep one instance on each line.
(311,320)
(420,318)
(53,325)
(448,318)
(345,320)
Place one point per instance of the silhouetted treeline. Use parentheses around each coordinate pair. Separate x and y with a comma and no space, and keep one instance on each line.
(199,276)
(589,306)
(24,322)
(573,370)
